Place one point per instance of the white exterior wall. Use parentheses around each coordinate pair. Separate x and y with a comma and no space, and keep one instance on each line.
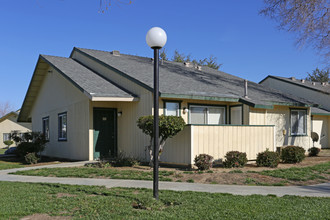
(130,138)
(321,125)
(58,95)
(280,117)
(10,124)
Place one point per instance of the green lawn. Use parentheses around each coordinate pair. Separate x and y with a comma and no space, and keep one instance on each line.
(2,151)
(87,172)
(301,173)
(91,202)
(292,174)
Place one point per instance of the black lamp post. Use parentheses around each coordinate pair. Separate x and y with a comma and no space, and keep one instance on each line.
(156,39)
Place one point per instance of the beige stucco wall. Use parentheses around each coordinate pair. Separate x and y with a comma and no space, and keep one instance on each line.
(316,97)
(10,124)
(58,95)
(218,140)
(280,117)
(321,125)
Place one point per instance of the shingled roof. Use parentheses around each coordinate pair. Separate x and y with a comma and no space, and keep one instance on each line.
(180,81)
(316,86)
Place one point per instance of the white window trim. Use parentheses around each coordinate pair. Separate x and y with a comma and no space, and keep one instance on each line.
(207,112)
(305,121)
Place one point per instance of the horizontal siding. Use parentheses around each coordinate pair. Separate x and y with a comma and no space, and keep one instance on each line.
(218,140)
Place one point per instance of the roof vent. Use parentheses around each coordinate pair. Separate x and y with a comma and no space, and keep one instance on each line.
(324,83)
(187,64)
(313,83)
(293,78)
(199,67)
(246,89)
(303,81)
(115,53)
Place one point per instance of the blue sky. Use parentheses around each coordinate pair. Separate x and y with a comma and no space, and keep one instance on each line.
(247,44)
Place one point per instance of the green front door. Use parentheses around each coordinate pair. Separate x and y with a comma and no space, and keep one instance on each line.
(105,133)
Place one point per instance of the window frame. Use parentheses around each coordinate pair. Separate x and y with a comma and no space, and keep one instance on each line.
(206,106)
(305,121)
(60,137)
(3,137)
(173,101)
(235,106)
(47,137)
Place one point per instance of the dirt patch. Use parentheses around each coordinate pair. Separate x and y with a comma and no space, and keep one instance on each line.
(44,217)
(238,176)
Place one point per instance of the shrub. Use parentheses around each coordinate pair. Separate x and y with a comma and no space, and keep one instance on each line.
(203,161)
(292,154)
(8,142)
(123,161)
(31,158)
(268,159)
(33,142)
(235,159)
(313,152)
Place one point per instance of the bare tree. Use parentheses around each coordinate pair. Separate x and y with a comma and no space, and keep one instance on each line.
(106,4)
(308,19)
(5,108)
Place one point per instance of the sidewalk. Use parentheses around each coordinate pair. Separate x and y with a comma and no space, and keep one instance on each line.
(320,190)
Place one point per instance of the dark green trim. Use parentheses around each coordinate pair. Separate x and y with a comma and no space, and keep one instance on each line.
(233,106)
(294,83)
(251,104)
(115,127)
(305,132)
(58,130)
(175,101)
(197,97)
(114,69)
(227,125)
(206,105)
(324,114)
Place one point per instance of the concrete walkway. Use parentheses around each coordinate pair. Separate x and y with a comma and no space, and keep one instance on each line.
(320,190)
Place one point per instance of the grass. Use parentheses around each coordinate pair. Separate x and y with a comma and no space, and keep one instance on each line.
(2,150)
(86,172)
(300,173)
(92,202)
(9,163)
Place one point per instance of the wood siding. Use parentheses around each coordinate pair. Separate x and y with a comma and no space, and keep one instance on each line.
(218,140)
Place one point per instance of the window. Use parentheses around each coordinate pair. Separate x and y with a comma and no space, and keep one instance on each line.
(172,108)
(298,122)
(207,114)
(236,115)
(62,127)
(6,137)
(45,127)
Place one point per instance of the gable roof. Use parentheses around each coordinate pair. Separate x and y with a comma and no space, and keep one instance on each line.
(315,86)
(179,81)
(9,115)
(94,86)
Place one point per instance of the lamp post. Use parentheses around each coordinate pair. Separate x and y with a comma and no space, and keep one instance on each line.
(156,39)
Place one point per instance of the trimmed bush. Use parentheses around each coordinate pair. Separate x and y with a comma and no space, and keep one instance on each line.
(124,161)
(203,161)
(8,142)
(33,142)
(31,158)
(268,159)
(235,159)
(292,154)
(313,152)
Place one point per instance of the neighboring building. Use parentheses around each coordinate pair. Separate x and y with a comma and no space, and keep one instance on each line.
(316,92)
(88,106)
(9,124)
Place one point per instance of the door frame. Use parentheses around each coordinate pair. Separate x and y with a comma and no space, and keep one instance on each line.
(115,129)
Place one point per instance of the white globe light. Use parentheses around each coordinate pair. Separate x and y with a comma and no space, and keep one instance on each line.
(156,37)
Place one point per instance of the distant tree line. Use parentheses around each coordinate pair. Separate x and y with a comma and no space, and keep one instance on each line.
(211,61)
